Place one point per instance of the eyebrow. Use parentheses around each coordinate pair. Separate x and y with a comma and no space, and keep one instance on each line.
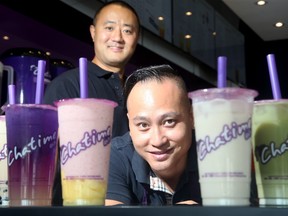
(170,114)
(113,22)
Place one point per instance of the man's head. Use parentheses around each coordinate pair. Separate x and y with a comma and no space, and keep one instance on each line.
(115,32)
(160,117)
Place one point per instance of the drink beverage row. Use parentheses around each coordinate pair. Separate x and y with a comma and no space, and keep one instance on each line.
(232,131)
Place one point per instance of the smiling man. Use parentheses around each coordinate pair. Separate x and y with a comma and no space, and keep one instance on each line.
(156,163)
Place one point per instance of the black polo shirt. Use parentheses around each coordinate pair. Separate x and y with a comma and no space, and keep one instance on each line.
(129,177)
(101,84)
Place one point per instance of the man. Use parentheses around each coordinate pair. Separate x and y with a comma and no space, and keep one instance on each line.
(156,163)
(115,32)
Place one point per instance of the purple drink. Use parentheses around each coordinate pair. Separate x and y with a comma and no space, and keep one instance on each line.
(32,132)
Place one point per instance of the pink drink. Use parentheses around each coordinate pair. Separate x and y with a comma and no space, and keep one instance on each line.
(32,139)
(3,164)
(85,132)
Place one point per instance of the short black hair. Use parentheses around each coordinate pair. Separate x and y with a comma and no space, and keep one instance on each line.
(156,72)
(120,3)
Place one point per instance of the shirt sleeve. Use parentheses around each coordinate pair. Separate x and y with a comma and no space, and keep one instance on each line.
(65,86)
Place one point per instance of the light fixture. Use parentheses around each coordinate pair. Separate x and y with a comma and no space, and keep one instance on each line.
(279,24)
(188,13)
(6,37)
(188,36)
(261,3)
(160,18)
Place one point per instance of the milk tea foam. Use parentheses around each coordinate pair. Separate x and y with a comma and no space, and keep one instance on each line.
(3,163)
(223,135)
(85,130)
(270,146)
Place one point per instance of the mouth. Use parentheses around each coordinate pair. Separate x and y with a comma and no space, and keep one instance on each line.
(161,155)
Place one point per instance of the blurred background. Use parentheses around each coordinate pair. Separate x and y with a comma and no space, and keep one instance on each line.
(188,34)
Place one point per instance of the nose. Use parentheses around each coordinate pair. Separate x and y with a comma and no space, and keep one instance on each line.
(158,137)
(117,35)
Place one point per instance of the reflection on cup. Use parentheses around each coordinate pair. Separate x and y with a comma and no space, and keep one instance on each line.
(31,141)
(223,134)
(3,164)
(85,132)
(270,146)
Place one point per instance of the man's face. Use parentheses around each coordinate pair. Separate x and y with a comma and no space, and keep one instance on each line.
(160,124)
(115,36)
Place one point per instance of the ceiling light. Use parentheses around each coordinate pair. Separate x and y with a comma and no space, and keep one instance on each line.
(160,18)
(261,3)
(188,13)
(188,36)
(279,24)
(6,37)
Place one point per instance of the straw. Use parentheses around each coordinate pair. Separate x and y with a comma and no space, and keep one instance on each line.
(11,93)
(221,71)
(273,76)
(40,81)
(83,78)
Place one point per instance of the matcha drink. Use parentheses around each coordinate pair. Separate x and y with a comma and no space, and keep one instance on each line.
(270,147)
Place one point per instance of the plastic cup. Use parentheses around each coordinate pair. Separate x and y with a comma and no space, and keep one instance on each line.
(3,164)
(223,133)
(85,133)
(31,141)
(270,147)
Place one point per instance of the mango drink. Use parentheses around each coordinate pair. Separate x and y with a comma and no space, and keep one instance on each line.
(85,132)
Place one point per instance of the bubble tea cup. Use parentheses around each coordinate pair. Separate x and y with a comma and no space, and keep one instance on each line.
(32,131)
(270,147)
(223,133)
(3,163)
(85,132)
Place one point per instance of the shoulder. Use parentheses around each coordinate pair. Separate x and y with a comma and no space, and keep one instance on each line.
(122,142)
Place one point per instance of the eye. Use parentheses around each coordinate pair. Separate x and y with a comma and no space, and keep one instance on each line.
(169,122)
(109,28)
(127,31)
(142,126)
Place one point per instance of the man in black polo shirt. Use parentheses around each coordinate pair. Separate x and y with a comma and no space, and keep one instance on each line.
(156,162)
(115,32)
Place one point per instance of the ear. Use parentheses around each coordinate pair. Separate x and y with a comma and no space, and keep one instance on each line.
(92,32)
(192,117)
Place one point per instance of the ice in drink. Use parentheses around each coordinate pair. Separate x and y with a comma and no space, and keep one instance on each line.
(85,132)
(223,134)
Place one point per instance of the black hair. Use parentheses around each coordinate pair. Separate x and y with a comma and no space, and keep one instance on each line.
(120,3)
(157,72)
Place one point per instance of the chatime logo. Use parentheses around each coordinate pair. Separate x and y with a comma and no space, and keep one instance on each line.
(270,151)
(88,140)
(18,153)
(3,152)
(228,133)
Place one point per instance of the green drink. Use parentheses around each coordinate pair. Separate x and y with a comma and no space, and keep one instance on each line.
(270,147)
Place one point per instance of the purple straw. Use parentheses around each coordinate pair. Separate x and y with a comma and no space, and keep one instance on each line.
(273,76)
(221,71)
(83,78)
(11,93)
(40,81)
